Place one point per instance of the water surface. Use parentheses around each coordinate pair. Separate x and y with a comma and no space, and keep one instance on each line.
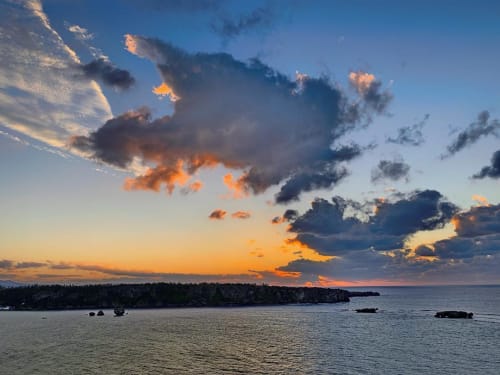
(403,338)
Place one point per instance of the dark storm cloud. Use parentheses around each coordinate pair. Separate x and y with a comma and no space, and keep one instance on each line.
(228,27)
(104,71)
(493,170)
(482,127)
(245,116)
(410,135)
(391,170)
(326,229)
(217,214)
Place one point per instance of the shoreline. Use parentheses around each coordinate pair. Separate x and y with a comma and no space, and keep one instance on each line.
(164,295)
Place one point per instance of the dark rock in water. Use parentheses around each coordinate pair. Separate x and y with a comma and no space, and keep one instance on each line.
(454,314)
(367,310)
(100,313)
(91,313)
(119,311)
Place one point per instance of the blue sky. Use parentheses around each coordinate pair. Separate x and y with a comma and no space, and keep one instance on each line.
(311,120)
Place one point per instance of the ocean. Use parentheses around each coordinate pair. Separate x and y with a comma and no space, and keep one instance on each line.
(402,338)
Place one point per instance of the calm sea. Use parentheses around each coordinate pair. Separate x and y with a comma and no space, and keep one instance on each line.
(403,338)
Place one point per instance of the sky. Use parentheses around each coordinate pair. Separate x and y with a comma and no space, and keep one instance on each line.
(318,143)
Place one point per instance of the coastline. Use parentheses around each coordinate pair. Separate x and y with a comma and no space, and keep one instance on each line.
(165,295)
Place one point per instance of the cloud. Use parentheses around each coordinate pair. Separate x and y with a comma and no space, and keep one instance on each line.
(257,19)
(369,88)
(482,127)
(474,251)
(38,94)
(326,228)
(481,201)
(241,215)
(410,135)
(493,170)
(289,215)
(80,33)
(6,264)
(478,221)
(391,170)
(12,265)
(217,214)
(103,70)
(244,116)
(424,251)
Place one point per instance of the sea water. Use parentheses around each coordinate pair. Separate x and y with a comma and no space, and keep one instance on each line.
(402,338)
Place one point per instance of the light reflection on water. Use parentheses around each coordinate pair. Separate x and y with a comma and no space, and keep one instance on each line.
(404,338)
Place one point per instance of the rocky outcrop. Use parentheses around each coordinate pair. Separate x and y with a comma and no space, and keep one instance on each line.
(49,297)
(454,314)
(371,310)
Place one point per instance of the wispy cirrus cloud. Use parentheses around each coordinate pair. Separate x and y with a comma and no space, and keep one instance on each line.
(482,127)
(38,94)
(410,135)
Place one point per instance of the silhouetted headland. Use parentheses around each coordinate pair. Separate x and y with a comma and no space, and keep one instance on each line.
(161,295)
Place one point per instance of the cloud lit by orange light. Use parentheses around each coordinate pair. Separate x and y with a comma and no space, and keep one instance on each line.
(240,215)
(165,90)
(154,178)
(361,81)
(217,214)
(286,274)
(236,186)
(481,201)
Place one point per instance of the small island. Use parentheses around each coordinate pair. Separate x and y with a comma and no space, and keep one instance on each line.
(164,295)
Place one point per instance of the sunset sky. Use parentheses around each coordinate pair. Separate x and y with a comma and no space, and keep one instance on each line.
(328,143)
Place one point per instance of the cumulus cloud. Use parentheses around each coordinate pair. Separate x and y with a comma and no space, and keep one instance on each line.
(474,250)
(228,27)
(241,215)
(482,127)
(391,170)
(217,214)
(38,94)
(478,221)
(326,228)
(410,135)
(103,70)
(491,171)
(245,116)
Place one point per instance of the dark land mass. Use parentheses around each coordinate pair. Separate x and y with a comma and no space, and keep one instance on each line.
(160,295)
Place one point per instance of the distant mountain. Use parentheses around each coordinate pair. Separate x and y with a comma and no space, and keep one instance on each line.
(10,284)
